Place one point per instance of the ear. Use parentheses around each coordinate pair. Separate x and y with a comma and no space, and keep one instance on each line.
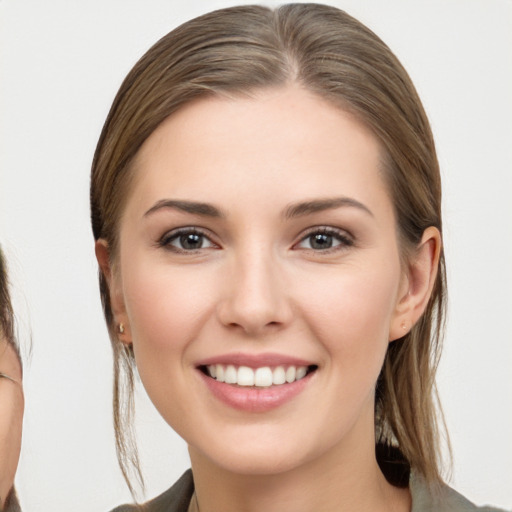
(115,291)
(417,284)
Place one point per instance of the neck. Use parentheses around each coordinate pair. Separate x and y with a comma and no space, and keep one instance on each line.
(336,482)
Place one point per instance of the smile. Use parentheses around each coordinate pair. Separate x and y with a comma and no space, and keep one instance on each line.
(262,377)
(256,384)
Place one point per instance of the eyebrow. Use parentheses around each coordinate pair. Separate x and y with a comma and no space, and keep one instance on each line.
(204,209)
(320,205)
(294,210)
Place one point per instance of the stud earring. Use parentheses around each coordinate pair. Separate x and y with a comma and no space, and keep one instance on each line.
(120,329)
(404,326)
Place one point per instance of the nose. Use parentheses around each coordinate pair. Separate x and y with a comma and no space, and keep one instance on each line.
(255,298)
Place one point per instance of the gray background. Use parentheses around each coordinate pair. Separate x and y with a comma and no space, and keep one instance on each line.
(61,64)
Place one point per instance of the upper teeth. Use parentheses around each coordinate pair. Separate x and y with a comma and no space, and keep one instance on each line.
(260,377)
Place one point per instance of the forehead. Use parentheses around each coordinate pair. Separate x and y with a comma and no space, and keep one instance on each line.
(285,140)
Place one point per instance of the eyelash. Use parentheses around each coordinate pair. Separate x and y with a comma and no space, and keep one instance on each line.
(344,240)
(171,236)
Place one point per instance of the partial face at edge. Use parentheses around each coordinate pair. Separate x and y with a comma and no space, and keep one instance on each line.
(11,416)
(259,233)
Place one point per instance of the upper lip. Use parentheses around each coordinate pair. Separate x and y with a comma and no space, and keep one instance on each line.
(255,360)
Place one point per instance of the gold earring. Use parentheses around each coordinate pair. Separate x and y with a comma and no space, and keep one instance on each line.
(120,329)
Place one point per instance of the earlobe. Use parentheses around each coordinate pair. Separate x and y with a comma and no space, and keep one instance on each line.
(418,284)
(117,305)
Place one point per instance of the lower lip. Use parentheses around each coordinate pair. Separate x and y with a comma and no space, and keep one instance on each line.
(255,399)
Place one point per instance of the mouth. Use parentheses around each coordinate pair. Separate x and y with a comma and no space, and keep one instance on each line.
(257,383)
(260,377)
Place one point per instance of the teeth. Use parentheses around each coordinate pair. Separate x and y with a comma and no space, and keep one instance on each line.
(290,374)
(278,375)
(263,377)
(219,371)
(301,372)
(245,376)
(230,377)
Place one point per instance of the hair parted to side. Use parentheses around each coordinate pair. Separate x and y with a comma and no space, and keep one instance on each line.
(239,50)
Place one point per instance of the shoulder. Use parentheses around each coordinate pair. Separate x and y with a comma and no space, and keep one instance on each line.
(448,499)
(175,499)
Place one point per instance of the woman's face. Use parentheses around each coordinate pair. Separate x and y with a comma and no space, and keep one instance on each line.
(258,244)
(11,416)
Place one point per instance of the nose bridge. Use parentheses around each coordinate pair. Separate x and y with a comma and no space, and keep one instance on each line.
(256,296)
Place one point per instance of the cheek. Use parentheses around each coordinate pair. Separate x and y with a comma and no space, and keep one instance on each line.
(351,313)
(164,307)
(166,310)
(167,307)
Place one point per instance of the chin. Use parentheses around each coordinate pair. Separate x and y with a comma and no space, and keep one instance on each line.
(257,454)
(258,464)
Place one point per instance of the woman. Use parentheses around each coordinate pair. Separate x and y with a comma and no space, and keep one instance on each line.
(11,398)
(266,205)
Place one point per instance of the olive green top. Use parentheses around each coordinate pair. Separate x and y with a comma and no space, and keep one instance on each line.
(177,499)
(11,503)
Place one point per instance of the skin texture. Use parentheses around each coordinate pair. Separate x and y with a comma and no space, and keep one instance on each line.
(257,286)
(11,417)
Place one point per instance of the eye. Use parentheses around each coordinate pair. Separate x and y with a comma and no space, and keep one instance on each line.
(323,239)
(186,240)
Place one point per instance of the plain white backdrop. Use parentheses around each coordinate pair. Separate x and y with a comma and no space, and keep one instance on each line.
(62,62)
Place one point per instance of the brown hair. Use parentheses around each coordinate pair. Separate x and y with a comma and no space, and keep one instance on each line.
(235,51)
(7,330)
